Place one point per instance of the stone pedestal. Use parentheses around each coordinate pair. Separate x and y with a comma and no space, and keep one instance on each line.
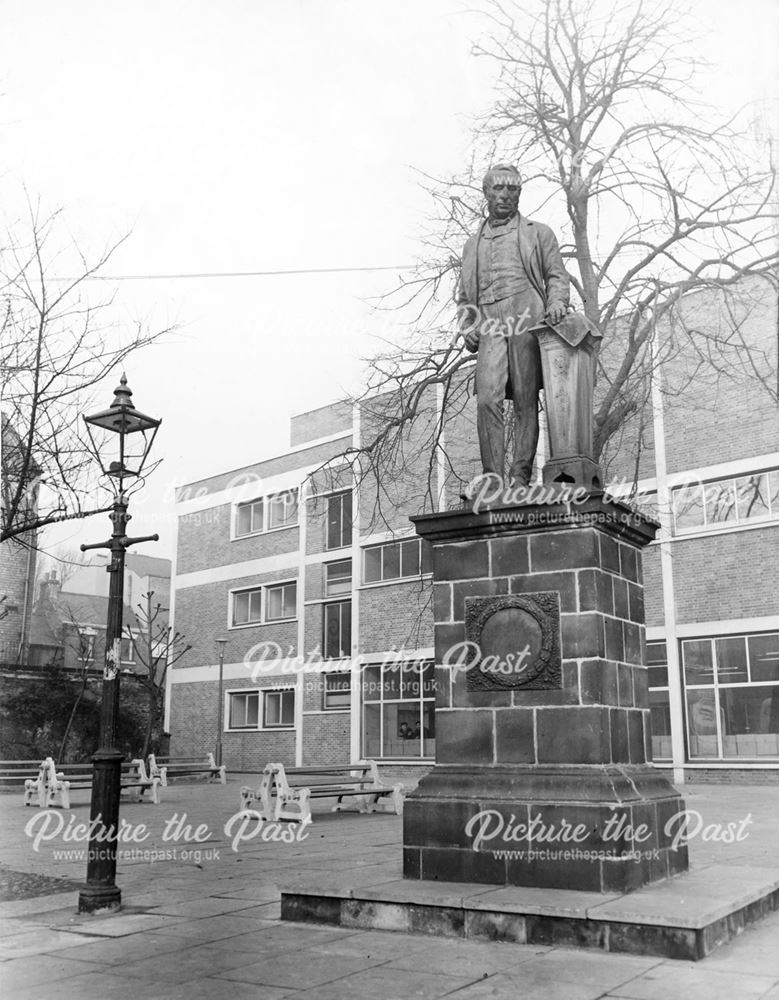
(543,771)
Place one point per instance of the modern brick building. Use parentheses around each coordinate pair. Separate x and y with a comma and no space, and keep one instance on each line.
(327,610)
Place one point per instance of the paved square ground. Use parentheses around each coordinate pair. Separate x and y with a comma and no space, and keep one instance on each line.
(200,914)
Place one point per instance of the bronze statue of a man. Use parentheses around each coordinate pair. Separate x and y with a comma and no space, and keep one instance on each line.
(512,279)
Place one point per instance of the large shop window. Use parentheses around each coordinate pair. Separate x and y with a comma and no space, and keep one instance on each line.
(659,700)
(732,696)
(278,709)
(724,502)
(399,710)
(339,520)
(337,638)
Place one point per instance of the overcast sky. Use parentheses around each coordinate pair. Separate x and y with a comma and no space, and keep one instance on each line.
(251,135)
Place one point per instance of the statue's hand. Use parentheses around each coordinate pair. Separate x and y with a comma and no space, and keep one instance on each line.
(556,312)
(471,339)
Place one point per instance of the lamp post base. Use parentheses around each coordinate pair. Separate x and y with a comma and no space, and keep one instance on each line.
(94,898)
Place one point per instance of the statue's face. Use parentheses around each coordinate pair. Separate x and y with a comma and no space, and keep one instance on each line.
(502,194)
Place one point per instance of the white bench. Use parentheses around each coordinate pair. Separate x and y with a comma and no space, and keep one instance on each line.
(286,793)
(63,779)
(27,774)
(176,767)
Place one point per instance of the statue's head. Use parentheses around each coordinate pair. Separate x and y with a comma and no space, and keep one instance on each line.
(502,185)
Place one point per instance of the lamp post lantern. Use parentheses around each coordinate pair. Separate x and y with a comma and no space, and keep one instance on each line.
(220,643)
(121,418)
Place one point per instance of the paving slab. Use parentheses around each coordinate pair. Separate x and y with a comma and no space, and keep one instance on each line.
(206,924)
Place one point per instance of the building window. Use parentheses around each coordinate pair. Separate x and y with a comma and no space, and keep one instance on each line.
(127,654)
(337,691)
(396,560)
(244,712)
(337,639)
(659,700)
(247,607)
(283,510)
(732,696)
(281,602)
(338,578)
(399,710)
(249,518)
(339,520)
(740,500)
(278,709)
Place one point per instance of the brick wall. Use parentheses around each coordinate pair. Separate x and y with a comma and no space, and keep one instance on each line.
(258,472)
(193,722)
(17,573)
(201,614)
(321,422)
(326,738)
(720,411)
(396,616)
(715,578)
(731,776)
(204,541)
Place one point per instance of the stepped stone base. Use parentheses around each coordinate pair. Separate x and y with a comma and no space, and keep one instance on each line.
(684,918)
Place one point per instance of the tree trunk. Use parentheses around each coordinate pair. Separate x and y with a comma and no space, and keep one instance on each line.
(66,734)
(152,715)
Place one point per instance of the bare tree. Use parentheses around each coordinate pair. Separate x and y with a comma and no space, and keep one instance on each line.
(64,561)
(55,350)
(156,646)
(595,103)
(82,641)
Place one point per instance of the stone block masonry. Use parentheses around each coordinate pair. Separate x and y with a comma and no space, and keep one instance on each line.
(548,785)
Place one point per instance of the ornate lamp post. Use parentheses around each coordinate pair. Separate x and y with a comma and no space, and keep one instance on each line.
(220,643)
(122,419)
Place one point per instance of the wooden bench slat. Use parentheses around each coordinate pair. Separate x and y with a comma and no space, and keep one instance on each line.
(181,766)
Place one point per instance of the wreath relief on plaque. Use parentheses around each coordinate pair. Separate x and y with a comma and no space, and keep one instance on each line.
(514,642)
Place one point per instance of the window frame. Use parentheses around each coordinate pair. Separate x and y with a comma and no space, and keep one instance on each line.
(283,495)
(346,524)
(282,693)
(325,608)
(425,557)
(282,585)
(266,503)
(402,701)
(237,513)
(261,589)
(130,640)
(327,581)
(261,695)
(716,685)
(703,490)
(245,693)
(342,675)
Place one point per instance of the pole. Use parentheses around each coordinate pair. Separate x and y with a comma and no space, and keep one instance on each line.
(101,891)
(220,706)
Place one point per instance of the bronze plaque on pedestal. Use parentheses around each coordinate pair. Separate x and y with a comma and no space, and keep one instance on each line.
(515,642)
